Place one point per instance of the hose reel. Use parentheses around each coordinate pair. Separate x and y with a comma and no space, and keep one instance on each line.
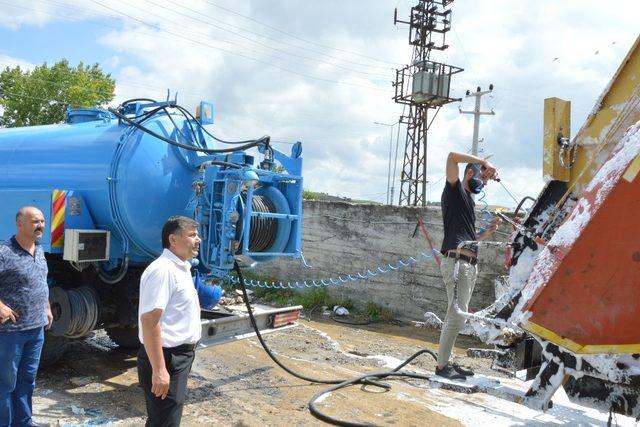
(263,230)
(75,311)
(266,234)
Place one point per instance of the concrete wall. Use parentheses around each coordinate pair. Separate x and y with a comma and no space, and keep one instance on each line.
(341,238)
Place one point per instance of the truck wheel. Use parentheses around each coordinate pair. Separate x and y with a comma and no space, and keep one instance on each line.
(52,349)
(125,337)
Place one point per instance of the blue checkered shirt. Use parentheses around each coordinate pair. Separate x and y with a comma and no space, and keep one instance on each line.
(23,285)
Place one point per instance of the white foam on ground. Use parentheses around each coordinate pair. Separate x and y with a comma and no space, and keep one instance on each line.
(496,407)
(479,409)
(387,361)
(323,397)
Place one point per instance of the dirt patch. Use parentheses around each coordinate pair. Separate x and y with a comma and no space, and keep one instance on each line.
(236,383)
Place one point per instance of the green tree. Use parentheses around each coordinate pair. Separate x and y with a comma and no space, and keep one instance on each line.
(42,95)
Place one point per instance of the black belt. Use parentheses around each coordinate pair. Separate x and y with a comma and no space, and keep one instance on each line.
(182,347)
(470,259)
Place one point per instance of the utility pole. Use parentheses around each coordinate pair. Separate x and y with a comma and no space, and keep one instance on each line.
(422,85)
(389,199)
(479,93)
(395,163)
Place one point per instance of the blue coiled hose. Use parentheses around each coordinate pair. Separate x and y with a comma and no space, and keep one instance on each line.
(340,280)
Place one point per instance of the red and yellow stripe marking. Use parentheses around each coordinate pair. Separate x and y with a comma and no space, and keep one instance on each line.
(59,200)
(576,347)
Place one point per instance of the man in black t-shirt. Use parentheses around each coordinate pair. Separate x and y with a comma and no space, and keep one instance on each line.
(458,213)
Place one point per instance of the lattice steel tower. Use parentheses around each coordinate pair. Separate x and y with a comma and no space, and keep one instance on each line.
(422,85)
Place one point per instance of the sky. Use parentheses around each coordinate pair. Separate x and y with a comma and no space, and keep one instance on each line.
(320,72)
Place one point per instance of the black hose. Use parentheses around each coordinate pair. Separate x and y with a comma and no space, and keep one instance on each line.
(175,125)
(129,101)
(263,230)
(225,164)
(188,115)
(369,379)
(200,141)
(366,379)
(185,146)
(236,267)
(515,213)
(146,115)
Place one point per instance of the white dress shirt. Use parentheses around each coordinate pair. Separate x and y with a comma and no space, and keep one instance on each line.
(167,284)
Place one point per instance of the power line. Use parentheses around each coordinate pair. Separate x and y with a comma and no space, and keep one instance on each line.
(198,42)
(297,37)
(49,100)
(119,83)
(237,53)
(267,37)
(61,85)
(233,44)
(431,184)
(464,52)
(478,94)
(258,42)
(11,93)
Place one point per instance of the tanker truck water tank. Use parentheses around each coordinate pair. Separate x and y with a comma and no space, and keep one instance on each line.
(115,174)
(120,179)
(106,182)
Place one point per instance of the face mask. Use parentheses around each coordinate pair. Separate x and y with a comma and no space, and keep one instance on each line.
(475,183)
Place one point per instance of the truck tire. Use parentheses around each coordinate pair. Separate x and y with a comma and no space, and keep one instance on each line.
(125,337)
(52,349)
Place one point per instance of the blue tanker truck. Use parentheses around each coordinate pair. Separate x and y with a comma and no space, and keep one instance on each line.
(106,181)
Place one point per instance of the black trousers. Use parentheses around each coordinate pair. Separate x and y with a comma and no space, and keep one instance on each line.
(167,412)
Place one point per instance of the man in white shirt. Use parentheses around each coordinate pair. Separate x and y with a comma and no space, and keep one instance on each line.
(169,323)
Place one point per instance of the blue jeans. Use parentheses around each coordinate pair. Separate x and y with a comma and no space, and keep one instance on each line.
(19,359)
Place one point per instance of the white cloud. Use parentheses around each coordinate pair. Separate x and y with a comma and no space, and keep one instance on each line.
(34,13)
(24,13)
(529,51)
(11,62)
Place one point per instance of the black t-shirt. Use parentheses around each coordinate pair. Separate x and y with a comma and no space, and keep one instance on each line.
(458,215)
